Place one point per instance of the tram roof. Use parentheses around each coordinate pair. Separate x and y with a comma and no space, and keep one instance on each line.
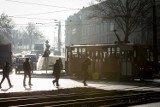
(90,45)
(127,46)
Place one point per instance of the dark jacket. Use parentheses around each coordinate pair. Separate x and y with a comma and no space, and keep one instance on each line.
(56,69)
(85,65)
(6,70)
(26,67)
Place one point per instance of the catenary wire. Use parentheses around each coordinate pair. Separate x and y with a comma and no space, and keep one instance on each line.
(31,3)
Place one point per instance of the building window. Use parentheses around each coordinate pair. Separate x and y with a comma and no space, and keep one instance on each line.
(111,26)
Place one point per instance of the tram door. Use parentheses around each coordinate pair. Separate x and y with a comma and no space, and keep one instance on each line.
(126,63)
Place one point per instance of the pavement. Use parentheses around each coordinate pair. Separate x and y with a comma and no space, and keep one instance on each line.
(39,83)
(44,82)
(156,104)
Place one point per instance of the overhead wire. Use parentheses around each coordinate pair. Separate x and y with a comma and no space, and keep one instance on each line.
(30,18)
(43,13)
(41,4)
(20,16)
(31,3)
(45,24)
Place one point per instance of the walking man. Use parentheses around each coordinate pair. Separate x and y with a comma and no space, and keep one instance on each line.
(60,63)
(6,71)
(27,72)
(56,72)
(85,65)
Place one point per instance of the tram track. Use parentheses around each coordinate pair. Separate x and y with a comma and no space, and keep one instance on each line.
(43,98)
(137,87)
(145,87)
(91,99)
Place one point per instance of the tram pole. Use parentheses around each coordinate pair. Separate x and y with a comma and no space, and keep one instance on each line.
(155,46)
(59,38)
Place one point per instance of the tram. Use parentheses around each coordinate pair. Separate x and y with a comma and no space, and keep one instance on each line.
(111,61)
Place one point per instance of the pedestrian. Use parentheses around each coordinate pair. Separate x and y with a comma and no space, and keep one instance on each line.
(6,71)
(85,65)
(27,72)
(60,63)
(56,72)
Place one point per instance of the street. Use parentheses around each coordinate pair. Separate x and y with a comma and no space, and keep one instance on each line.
(44,82)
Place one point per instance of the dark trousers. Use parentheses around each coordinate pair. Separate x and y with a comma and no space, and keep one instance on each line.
(56,81)
(24,80)
(85,77)
(9,82)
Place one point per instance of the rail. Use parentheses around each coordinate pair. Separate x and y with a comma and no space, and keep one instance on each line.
(91,99)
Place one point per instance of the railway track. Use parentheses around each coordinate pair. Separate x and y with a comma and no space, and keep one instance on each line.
(43,98)
(86,99)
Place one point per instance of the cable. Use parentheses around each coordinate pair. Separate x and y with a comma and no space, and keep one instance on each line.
(44,25)
(42,13)
(30,18)
(41,4)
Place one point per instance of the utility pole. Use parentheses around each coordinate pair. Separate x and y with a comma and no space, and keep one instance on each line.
(155,46)
(59,38)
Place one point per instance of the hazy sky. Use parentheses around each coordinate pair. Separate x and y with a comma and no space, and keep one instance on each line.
(41,11)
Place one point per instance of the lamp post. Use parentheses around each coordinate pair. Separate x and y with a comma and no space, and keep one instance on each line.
(59,38)
(155,47)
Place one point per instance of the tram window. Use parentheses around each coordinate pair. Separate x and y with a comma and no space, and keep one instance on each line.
(105,54)
(118,52)
(122,52)
(118,49)
(109,51)
(75,50)
(92,54)
(69,54)
(151,56)
(83,53)
(83,50)
(148,55)
(96,53)
(113,50)
(134,54)
(123,56)
(101,55)
(144,55)
(129,55)
(79,50)
(88,53)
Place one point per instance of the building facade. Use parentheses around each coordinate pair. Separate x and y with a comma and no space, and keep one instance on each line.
(80,29)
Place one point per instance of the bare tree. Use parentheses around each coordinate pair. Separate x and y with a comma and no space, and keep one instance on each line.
(6,27)
(128,15)
(33,33)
